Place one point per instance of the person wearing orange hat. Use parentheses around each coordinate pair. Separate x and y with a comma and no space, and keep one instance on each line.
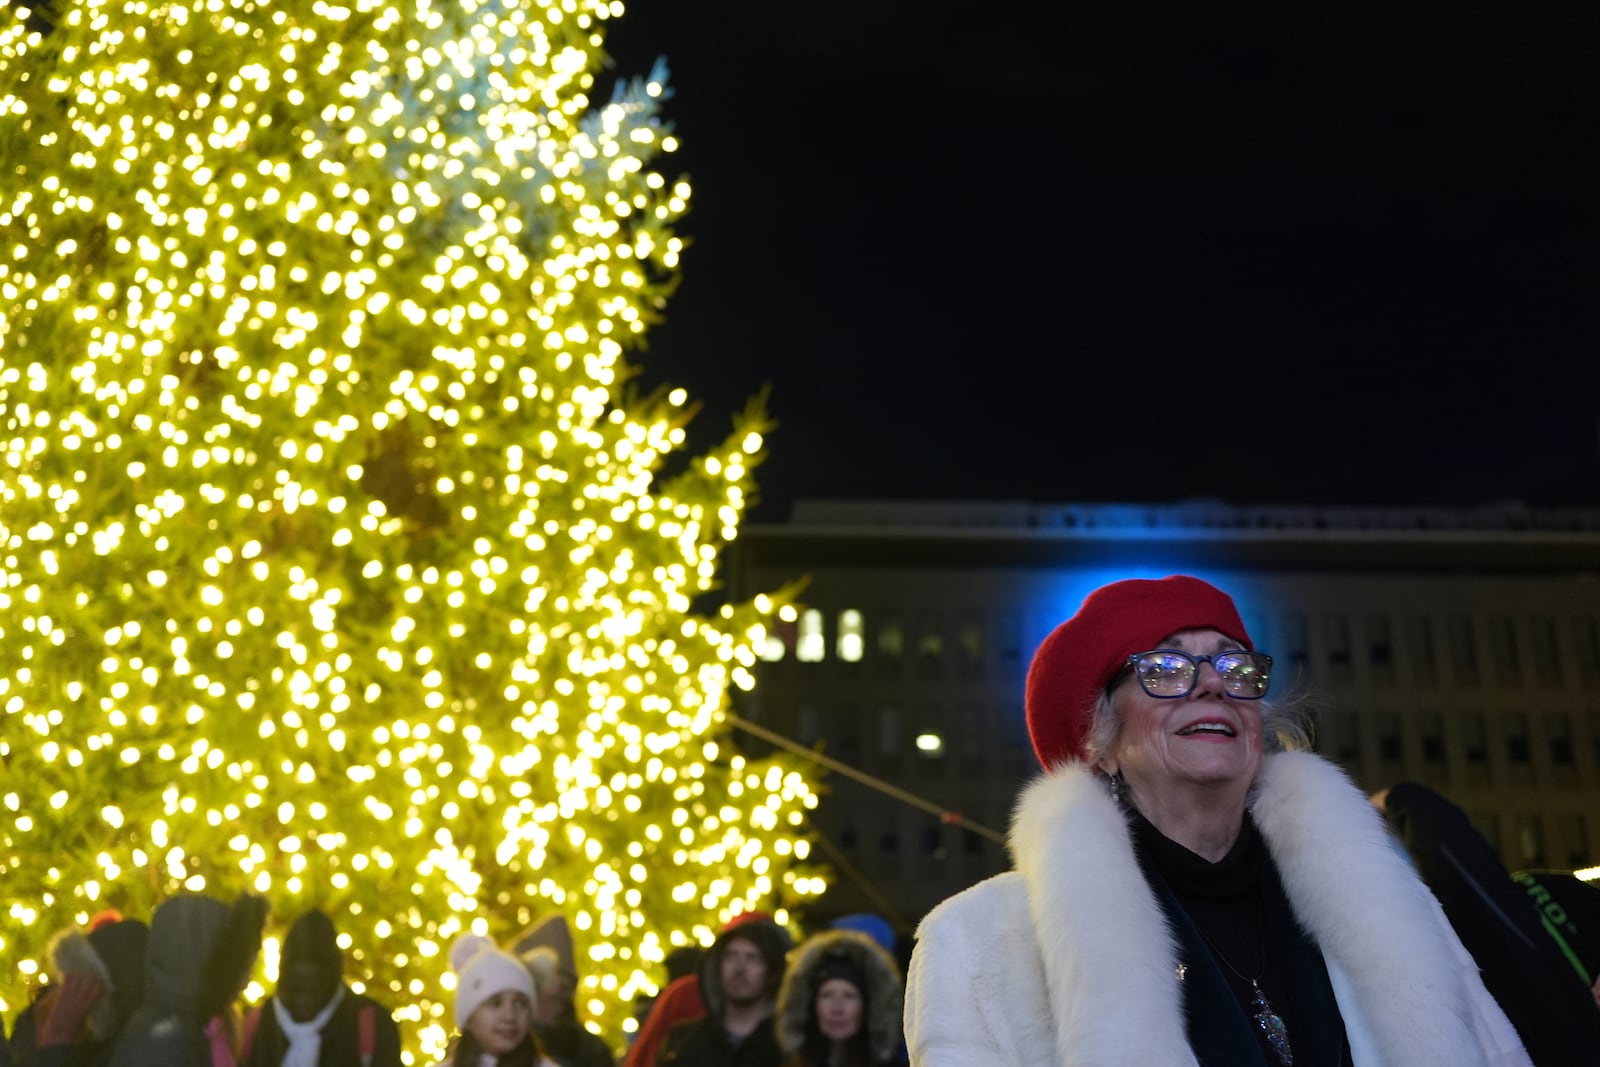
(1191,886)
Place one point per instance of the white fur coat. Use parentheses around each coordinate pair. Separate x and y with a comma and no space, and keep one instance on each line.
(1068,960)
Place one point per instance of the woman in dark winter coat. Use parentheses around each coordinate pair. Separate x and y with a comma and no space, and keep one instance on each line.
(840,1003)
(200,955)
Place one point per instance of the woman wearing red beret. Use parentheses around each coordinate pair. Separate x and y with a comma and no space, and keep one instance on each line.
(1190,887)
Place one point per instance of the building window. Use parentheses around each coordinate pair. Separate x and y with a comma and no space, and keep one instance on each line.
(1586,641)
(1380,650)
(1336,631)
(969,643)
(845,738)
(972,742)
(1339,738)
(1487,823)
(891,643)
(1256,626)
(1015,731)
(1391,744)
(1297,650)
(930,731)
(807,724)
(811,646)
(1009,636)
(933,843)
(1563,757)
(1463,650)
(1503,651)
(1519,748)
(1430,727)
(1575,841)
(1475,748)
(930,644)
(852,636)
(1546,652)
(1530,841)
(1420,652)
(889,731)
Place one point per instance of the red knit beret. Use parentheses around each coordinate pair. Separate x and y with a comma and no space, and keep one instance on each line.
(1081,656)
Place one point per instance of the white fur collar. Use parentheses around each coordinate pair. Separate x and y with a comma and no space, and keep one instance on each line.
(1111,964)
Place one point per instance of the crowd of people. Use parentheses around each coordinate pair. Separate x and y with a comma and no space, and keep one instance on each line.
(123,993)
(1192,885)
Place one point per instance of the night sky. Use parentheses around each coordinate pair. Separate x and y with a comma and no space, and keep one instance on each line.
(1143,254)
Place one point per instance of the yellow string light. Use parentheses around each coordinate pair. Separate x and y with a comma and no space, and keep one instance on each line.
(333,560)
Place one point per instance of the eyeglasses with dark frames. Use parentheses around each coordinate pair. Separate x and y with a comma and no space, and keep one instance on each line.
(1170,673)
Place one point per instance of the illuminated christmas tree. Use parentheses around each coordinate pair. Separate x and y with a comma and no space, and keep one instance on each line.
(340,563)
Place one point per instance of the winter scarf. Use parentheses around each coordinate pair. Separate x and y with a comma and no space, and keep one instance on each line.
(305,1039)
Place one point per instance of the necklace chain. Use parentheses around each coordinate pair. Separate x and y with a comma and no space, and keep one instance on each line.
(1270,1022)
(1217,952)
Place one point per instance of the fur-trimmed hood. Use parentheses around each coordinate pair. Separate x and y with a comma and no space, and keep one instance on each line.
(884,990)
(1069,958)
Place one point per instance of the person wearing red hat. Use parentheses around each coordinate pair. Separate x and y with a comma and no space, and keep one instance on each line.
(1191,885)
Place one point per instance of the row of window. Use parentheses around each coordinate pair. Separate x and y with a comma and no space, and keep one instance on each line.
(1512,748)
(1422,651)
(1525,841)
(926,730)
(1466,650)
(1530,841)
(927,639)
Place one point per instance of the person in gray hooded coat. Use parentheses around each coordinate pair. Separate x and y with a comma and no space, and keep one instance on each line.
(200,954)
(840,1003)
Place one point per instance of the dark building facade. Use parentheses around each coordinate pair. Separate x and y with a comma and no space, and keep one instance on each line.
(1460,649)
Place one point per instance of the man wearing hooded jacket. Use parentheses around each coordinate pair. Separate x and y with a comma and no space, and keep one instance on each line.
(738,983)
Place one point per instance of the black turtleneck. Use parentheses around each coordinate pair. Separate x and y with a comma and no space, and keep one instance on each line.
(1234,912)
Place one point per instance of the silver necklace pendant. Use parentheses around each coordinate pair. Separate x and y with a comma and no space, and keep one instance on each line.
(1271,1024)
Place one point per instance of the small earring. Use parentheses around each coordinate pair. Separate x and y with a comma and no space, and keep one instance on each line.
(1117,787)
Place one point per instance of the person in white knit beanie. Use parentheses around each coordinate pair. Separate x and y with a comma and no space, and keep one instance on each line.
(494,1008)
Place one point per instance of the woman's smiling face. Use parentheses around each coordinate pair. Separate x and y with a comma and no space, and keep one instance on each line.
(1203,738)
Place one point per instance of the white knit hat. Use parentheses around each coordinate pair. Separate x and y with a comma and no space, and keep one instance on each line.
(482,970)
